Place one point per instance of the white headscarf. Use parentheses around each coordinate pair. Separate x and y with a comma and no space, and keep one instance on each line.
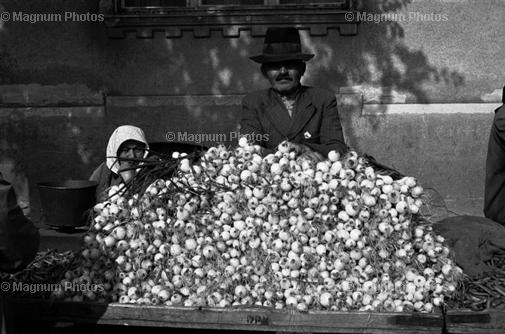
(118,137)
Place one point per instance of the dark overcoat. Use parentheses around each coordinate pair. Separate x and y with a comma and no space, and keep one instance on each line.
(315,121)
(494,194)
(19,238)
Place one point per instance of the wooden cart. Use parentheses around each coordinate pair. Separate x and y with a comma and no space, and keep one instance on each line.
(471,322)
(250,319)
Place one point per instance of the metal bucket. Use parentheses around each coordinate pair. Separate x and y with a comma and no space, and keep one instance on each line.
(66,204)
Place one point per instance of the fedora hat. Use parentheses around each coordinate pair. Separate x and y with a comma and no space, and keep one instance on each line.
(281,44)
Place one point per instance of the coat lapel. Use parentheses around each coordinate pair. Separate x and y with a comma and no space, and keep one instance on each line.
(278,115)
(303,113)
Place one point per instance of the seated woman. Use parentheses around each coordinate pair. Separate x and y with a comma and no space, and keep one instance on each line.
(126,142)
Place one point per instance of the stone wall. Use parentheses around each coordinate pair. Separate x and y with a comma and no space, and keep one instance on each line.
(418,94)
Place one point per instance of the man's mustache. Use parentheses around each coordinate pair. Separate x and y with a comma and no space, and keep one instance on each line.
(283,77)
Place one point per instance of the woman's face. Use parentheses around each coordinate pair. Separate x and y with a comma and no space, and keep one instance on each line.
(130,149)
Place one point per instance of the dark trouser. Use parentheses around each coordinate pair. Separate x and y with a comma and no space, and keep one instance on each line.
(5,318)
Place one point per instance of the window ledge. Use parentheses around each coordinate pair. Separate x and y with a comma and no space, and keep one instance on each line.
(229,21)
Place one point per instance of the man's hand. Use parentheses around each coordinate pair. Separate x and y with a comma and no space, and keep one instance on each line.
(299,148)
(312,155)
(287,146)
(305,152)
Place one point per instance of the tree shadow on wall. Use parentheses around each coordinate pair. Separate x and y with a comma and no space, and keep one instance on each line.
(402,68)
(378,61)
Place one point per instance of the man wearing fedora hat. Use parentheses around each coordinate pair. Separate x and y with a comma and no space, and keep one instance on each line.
(307,117)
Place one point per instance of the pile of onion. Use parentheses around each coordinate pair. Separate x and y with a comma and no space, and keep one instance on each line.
(279,231)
